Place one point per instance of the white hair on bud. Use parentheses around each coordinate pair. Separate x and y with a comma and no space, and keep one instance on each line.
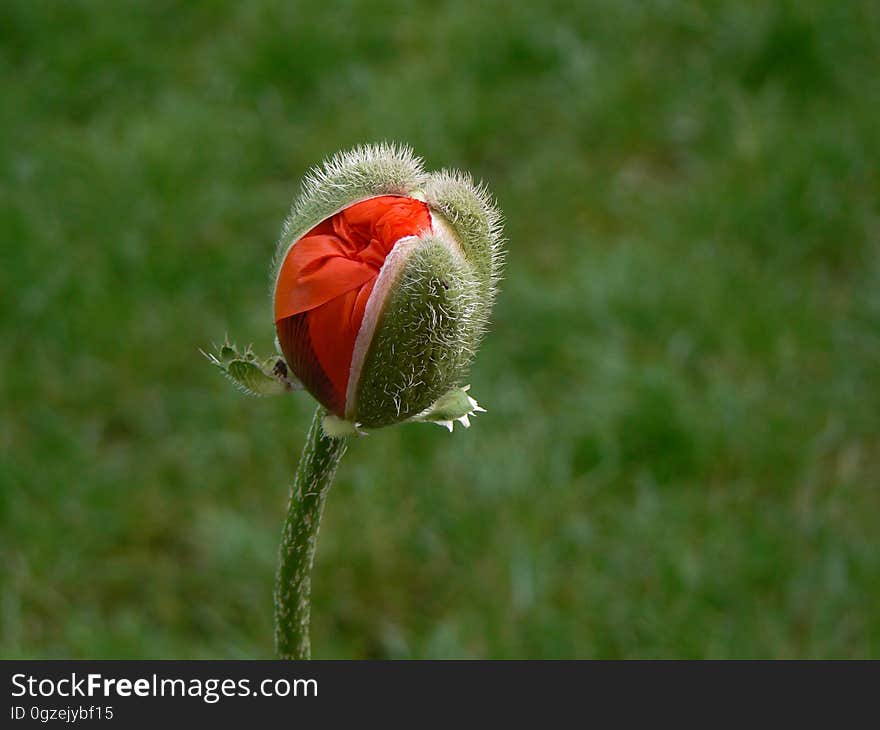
(473,212)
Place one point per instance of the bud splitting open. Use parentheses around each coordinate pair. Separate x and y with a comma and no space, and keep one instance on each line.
(383,284)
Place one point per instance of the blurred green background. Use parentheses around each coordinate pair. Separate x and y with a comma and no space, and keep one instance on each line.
(682,448)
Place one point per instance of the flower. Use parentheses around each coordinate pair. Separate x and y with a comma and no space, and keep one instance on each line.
(383,283)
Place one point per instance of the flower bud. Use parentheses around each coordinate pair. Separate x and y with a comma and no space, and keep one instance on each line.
(383,285)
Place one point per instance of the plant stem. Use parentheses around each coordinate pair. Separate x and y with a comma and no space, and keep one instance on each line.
(317,466)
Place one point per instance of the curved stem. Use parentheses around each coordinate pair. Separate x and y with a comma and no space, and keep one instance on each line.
(317,466)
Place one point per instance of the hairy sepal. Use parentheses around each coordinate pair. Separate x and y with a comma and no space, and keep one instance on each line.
(477,222)
(426,335)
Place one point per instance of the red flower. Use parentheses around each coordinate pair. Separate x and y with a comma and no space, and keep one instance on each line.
(325,283)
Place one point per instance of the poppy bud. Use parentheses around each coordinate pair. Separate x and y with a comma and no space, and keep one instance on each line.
(383,285)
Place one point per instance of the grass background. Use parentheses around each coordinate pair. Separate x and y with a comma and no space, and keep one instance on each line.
(682,448)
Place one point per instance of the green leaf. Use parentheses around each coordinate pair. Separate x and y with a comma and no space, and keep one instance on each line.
(269,376)
(456,405)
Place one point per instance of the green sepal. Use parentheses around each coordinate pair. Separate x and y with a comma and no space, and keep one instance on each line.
(425,338)
(469,208)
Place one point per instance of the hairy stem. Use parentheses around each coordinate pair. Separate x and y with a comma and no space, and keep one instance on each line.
(317,466)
